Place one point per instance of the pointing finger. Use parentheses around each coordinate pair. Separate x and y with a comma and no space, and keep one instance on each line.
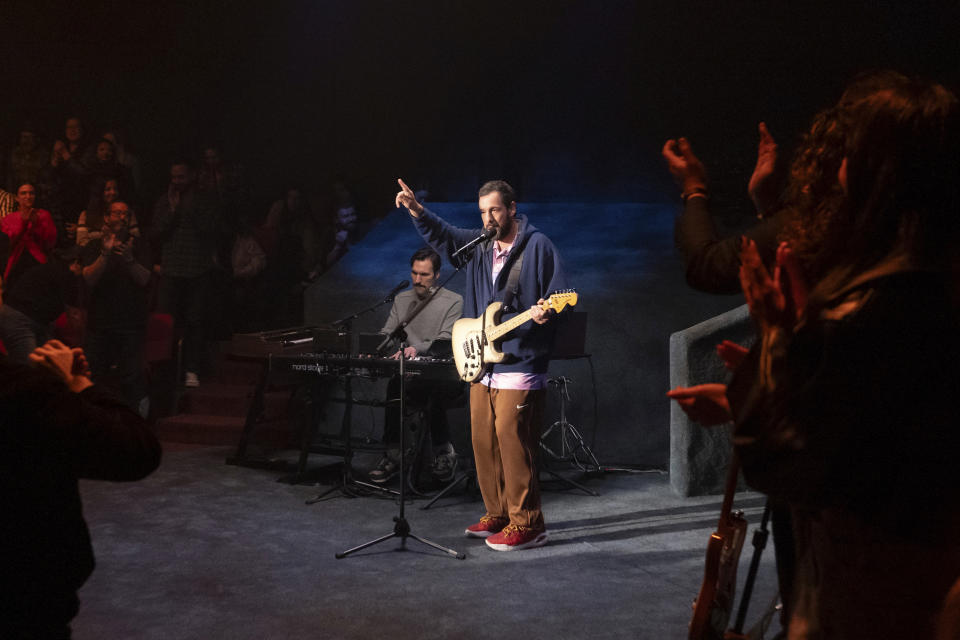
(403,185)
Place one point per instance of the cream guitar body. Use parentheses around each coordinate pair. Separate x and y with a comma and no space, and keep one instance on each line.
(476,341)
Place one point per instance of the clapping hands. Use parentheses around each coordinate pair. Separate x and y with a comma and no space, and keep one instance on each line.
(685,167)
(68,364)
(761,188)
(776,302)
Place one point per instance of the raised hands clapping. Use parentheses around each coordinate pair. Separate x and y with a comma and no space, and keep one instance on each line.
(776,302)
(762,188)
(685,167)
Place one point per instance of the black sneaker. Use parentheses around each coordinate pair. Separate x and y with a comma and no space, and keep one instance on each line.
(384,470)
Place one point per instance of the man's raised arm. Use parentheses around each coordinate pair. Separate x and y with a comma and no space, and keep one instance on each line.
(406,198)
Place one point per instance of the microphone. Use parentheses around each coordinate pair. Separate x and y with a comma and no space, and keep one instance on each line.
(397,289)
(483,237)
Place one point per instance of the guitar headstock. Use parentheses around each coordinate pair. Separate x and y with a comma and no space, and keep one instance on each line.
(561,299)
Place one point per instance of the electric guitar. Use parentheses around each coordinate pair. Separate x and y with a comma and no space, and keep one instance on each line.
(476,341)
(714,603)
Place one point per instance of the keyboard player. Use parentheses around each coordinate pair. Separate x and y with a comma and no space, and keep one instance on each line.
(433,323)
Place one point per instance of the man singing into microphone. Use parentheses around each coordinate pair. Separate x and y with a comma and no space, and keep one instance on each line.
(518,266)
(433,323)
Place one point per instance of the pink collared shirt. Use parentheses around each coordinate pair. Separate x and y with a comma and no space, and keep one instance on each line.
(510,379)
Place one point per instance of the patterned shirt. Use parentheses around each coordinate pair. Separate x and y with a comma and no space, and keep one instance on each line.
(8,203)
(184,229)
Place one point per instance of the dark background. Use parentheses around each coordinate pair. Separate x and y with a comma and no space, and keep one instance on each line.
(568,99)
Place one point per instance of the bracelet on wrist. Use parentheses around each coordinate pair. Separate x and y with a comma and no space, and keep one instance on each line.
(700,192)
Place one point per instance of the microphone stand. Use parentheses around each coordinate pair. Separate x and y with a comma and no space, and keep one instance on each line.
(347,481)
(401,528)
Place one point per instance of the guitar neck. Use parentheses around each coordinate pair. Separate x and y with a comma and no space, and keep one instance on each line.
(502,329)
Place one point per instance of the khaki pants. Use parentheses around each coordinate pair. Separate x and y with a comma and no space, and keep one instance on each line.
(506,426)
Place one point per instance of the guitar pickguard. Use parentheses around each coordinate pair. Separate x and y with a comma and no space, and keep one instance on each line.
(472,355)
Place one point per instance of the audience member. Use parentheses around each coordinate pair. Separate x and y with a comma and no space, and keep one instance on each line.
(327,237)
(117,271)
(288,239)
(247,258)
(37,286)
(248,262)
(221,182)
(72,146)
(90,223)
(27,159)
(56,426)
(31,232)
(184,228)
(848,382)
(126,159)
(712,262)
(346,217)
(8,203)
(218,177)
(103,166)
(66,175)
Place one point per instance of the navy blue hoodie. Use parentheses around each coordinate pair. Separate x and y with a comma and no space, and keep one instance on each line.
(540,275)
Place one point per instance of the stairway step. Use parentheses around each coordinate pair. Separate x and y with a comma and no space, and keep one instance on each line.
(218,430)
(236,371)
(217,398)
(231,400)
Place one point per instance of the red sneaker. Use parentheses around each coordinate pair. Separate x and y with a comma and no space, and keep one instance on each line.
(487,526)
(514,537)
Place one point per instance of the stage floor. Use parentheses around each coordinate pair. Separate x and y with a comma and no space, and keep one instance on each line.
(205,550)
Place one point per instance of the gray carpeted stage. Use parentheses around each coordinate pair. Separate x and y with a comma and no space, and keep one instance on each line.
(203,550)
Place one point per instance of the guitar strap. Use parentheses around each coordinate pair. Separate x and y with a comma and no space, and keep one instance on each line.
(513,280)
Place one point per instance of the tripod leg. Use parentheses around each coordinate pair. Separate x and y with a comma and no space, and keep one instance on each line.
(572,483)
(545,447)
(401,529)
(374,487)
(344,554)
(323,495)
(447,489)
(580,446)
(456,554)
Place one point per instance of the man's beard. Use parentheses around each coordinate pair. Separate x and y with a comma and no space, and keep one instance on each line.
(504,231)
